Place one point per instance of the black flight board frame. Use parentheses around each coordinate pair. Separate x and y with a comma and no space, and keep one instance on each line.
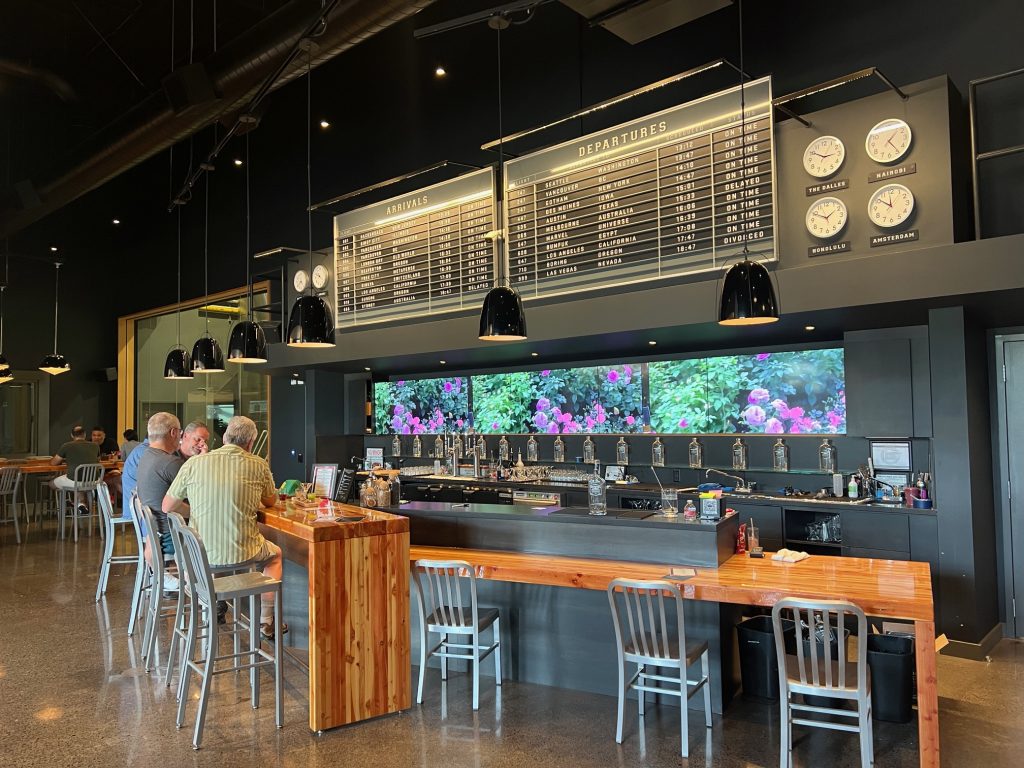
(416,254)
(669,194)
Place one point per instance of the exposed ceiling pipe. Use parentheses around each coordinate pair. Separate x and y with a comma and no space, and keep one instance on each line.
(235,71)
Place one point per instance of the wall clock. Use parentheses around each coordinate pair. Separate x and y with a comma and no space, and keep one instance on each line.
(891,205)
(301,281)
(826,217)
(823,156)
(888,141)
(320,275)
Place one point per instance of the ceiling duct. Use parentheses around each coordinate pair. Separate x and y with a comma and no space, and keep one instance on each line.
(235,72)
(638,20)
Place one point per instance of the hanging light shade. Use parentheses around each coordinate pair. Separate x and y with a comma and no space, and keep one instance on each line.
(4,365)
(207,356)
(178,364)
(310,325)
(748,296)
(248,343)
(55,364)
(502,317)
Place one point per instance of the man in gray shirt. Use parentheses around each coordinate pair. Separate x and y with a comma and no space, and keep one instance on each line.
(158,467)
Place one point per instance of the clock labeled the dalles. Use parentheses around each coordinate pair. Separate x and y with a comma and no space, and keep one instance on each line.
(826,217)
(888,141)
(891,205)
(824,156)
(301,281)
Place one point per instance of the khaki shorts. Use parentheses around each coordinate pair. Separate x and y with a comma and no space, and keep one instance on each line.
(268,552)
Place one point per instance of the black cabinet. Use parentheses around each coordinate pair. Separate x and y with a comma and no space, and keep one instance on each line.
(888,531)
(879,388)
(767,519)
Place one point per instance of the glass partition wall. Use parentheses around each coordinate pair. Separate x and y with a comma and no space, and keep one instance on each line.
(212,397)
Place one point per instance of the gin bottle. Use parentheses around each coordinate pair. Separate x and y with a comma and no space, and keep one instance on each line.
(503,450)
(780,456)
(559,449)
(827,456)
(457,446)
(622,452)
(658,453)
(396,446)
(417,447)
(696,451)
(739,454)
(481,447)
(596,492)
(588,451)
(438,447)
(531,449)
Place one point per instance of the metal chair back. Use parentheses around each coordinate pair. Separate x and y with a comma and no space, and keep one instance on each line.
(136,506)
(88,476)
(156,554)
(197,565)
(106,510)
(10,479)
(441,595)
(821,630)
(644,630)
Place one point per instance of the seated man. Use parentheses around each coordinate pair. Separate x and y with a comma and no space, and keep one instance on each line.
(225,488)
(194,440)
(108,445)
(158,466)
(74,453)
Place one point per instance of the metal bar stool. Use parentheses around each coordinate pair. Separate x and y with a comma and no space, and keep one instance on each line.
(87,478)
(142,572)
(110,526)
(10,481)
(204,591)
(642,637)
(439,585)
(157,605)
(821,667)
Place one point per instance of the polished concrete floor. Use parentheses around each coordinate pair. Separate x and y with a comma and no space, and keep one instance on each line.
(73,693)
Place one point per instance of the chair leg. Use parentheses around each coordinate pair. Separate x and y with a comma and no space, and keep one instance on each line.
(684,711)
(172,649)
(444,659)
(278,660)
(495,628)
(621,700)
(140,575)
(186,664)
(108,553)
(254,644)
(476,670)
(423,662)
(867,751)
(786,735)
(705,673)
(204,692)
(641,697)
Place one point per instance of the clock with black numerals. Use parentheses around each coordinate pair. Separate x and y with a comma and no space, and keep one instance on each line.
(824,156)
(891,206)
(889,140)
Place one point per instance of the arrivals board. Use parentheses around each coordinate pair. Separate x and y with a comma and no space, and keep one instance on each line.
(416,254)
(669,194)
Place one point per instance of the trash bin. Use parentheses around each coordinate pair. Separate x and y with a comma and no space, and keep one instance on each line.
(826,701)
(891,661)
(759,666)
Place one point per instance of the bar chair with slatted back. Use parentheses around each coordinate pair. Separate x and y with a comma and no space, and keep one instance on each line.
(142,572)
(821,667)
(111,523)
(645,636)
(439,587)
(87,477)
(158,606)
(10,482)
(203,591)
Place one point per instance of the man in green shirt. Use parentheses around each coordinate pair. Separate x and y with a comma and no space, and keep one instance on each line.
(74,453)
(225,488)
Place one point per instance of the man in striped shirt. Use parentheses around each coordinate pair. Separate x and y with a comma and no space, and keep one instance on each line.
(225,488)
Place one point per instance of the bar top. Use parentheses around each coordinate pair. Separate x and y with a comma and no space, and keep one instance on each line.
(349,522)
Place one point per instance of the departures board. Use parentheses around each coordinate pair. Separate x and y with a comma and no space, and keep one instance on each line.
(669,194)
(416,254)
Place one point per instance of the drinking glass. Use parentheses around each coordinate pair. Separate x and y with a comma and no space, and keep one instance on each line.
(669,502)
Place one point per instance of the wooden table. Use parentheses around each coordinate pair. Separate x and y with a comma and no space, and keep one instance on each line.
(359,662)
(44,468)
(890,589)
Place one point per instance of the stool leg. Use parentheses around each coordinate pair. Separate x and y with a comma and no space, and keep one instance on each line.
(254,645)
(140,575)
(423,660)
(186,662)
(179,624)
(641,697)
(444,659)
(621,699)
(108,552)
(278,661)
(684,720)
(497,650)
(204,692)
(476,669)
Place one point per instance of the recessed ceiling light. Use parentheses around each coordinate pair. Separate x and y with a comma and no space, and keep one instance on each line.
(808,327)
(440,71)
(238,161)
(53,248)
(115,222)
(443,362)
(325,124)
(534,354)
(366,369)
(652,342)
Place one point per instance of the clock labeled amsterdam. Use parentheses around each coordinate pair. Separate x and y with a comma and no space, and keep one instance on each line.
(891,205)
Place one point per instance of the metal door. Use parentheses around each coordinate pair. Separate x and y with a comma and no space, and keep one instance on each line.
(1011,464)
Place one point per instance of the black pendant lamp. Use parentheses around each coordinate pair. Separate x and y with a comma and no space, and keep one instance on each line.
(310,324)
(247,343)
(178,364)
(502,317)
(55,364)
(748,296)
(207,356)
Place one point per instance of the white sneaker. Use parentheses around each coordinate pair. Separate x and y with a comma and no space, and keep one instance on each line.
(170,583)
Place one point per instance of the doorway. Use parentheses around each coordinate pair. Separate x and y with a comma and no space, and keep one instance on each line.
(1010,473)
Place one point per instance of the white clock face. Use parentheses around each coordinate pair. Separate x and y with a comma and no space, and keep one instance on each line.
(891,205)
(320,275)
(300,281)
(826,217)
(823,156)
(888,141)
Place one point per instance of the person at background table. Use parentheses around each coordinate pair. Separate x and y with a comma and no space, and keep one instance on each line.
(195,440)
(157,468)
(74,453)
(108,445)
(225,488)
(131,441)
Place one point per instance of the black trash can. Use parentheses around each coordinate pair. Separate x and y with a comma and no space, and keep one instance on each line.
(826,701)
(891,660)
(759,666)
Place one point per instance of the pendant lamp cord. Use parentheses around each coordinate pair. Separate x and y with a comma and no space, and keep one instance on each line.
(503,272)
(309,154)
(178,313)
(206,247)
(248,227)
(56,303)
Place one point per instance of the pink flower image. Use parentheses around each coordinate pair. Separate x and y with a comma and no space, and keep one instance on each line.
(400,383)
(794,428)
(399,409)
(613,376)
(406,430)
(458,423)
(545,373)
(780,406)
(773,427)
(601,417)
(754,415)
(590,422)
(630,420)
(565,418)
(683,423)
(543,404)
(834,419)
(796,412)
(763,356)
(758,395)
(396,423)
(553,428)
(448,386)
(540,419)
(494,426)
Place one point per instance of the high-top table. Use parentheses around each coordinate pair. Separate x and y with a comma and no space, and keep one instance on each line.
(359,662)
(890,589)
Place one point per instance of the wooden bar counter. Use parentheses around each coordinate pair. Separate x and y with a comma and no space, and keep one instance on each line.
(359,663)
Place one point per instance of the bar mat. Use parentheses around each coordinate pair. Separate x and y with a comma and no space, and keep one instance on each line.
(637,514)
(570,512)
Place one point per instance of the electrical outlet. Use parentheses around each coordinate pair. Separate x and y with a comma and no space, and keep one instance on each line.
(675,476)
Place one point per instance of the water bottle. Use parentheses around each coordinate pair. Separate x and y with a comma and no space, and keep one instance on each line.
(596,492)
